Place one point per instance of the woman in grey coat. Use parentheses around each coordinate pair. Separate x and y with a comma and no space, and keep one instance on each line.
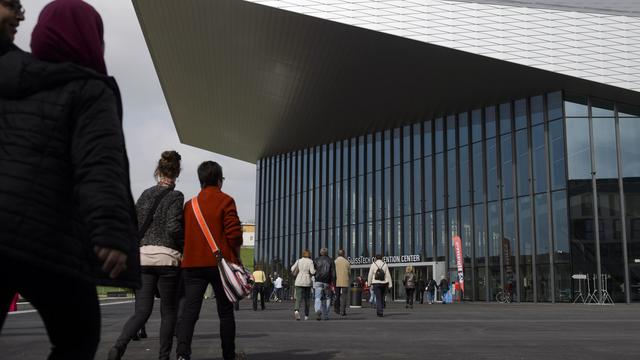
(303,270)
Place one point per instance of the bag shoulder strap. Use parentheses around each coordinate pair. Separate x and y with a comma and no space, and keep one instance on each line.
(149,218)
(203,225)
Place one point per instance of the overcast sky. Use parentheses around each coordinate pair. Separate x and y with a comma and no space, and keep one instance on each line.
(148,126)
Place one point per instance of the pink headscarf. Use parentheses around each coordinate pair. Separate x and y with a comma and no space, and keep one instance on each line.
(70,30)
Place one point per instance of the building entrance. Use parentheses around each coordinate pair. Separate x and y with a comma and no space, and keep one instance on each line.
(423,273)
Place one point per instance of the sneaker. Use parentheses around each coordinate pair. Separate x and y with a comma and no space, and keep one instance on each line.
(318,315)
(241,356)
(306,317)
(296,314)
(182,358)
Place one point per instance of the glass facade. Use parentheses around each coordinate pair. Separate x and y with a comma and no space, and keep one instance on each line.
(537,189)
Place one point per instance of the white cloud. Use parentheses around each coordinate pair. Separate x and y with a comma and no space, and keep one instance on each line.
(148,126)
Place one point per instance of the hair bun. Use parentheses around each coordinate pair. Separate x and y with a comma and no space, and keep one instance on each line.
(169,164)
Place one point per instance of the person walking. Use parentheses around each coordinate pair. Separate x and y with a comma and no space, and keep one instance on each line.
(380,280)
(324,277)
(159,210)
(444,288)
(199,263)
(303,269)
(431,290)
(259,278)
(421,286)
(67,213)
(343,270)
(277,288)
(409,283)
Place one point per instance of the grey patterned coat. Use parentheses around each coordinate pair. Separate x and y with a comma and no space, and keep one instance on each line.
(167,227)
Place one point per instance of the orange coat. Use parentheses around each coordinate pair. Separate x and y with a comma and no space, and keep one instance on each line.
(219,211)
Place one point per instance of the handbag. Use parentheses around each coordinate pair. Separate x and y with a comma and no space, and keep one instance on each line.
(236,279)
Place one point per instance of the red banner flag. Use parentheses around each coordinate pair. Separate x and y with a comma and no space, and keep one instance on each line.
(457,243)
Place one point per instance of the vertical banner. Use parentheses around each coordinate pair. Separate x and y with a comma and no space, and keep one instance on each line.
(457,243)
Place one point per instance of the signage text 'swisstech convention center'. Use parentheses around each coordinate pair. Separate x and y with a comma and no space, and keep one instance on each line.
(392,127)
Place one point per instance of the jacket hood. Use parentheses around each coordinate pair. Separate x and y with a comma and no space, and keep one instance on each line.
(22,75)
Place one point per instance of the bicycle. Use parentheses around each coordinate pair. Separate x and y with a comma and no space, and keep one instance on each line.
(504,297)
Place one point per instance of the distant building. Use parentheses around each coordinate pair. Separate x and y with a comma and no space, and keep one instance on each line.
(248,235)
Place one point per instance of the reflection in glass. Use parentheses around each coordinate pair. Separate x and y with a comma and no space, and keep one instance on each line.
(556,154)
(463,129)
(428,183)
(522,162)
(526,248)
(610,229)
(478,173)
(542,248)
(604,143)
(561,246)
(428,236)
(439,171)
(492,170)
(630,151)
(480,240)
(507,166)
(520,110)
(476,125)
(509,247)
(554,105)
(537,110)
(490,121)
(505,118)
(441,235)
(465,192)
(466,234)
(632,220)
(439,135)
(576,106)
(426,128)
(451,132)
(539,158)
(417,142)
(578,151)
(453,231)
(452,190)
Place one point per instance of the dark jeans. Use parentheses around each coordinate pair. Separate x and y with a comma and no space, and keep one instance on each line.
(165,280)
(420,296)
(195,284)
(303,293)
(69,308)
(379,290)
(340,304)
(258,288)
(410,293)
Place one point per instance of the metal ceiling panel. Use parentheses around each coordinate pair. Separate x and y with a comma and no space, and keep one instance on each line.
(249,81)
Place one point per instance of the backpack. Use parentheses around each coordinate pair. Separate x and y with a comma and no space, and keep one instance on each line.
(380,274)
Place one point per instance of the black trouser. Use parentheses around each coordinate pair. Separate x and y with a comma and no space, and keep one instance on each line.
(69,308)
(258,288)
(165,280)
(410,292)
(420,295)
(195,284)
(340,304)
(379,290)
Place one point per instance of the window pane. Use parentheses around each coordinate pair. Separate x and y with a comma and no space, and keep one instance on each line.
(537,110)
(406,143)
(539,159)
(480,250)
(440,169)
(417,187)
(630,151)
(451,132)
(417,141)
(463,129)
(495,245)
(542,243)
(476,125)
(396,146)
(428,184)
(439,135)
(492,170)
(505,118)
(522,168)
(407,189)
(507,166)
(466,234)
(465,193)
(604,142)
(478,174)
(490,121)
(560,226)
(426,128)
(441,235)
(578,152)
(576,106)
(554,105)
(556,154)
(428,239)
(509,247)
(452,190)
(526,248)
(453,231)
(520,109)
(601,108)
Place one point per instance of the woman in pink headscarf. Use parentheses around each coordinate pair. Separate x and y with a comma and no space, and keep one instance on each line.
(67,214)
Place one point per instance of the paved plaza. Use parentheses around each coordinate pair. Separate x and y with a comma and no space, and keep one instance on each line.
(458,331)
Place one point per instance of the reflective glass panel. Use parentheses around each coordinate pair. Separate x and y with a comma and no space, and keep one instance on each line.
(465,191)
(507,166)
(439,171)
(522,162)
(630,151)
(417,142)
(526,248)
(439,134)
(554,105)
(578,151)
(556,154)
(452,190)
(539,158)
(428,183)
(451,132)
(520,109)
(509,246)
(492,170)
(478,173)
(542,248)
(537,110)
(604,142)
(426,128)
(463,129)
(490,121)
(505,118)
(476,125)
(576,106)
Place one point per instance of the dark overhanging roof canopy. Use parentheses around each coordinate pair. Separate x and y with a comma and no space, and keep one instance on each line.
(249,81)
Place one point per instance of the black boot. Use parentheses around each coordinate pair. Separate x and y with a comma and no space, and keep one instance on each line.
(142,333)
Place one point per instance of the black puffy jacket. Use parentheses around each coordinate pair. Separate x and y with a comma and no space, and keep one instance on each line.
(63,169)
(325,269)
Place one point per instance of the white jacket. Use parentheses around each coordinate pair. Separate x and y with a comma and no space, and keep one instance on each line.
(387,274)
(305,271)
